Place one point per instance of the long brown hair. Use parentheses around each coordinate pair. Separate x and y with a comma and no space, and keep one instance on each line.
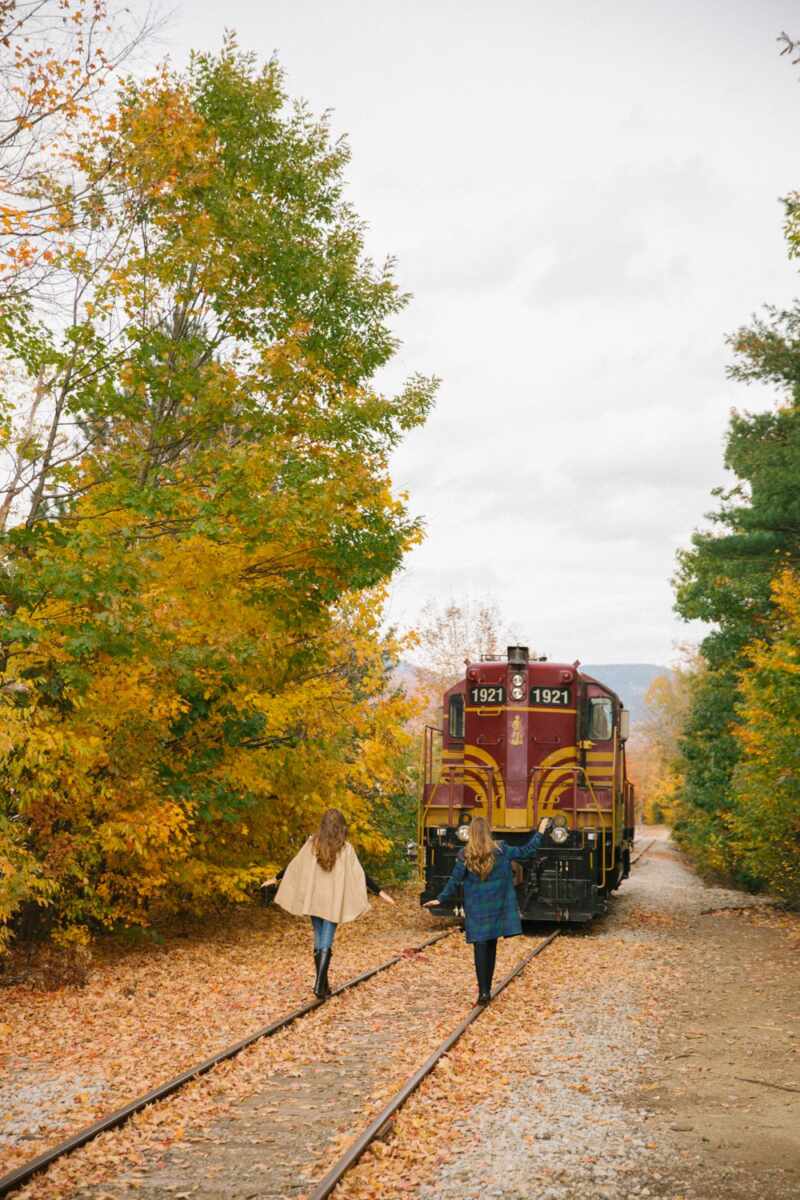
(329,838)
(481,848)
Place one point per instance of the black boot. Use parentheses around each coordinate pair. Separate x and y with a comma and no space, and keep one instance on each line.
(481,951)
(492,949)
(322,958)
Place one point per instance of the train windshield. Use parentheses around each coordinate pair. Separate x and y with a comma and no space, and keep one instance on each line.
(456,722)
(601,716)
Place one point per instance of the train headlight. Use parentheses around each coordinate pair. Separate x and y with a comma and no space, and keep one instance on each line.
(517,680)
(462,833)
(559,834)
(517,693)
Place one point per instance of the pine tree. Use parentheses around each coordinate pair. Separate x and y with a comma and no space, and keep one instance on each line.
(726,579)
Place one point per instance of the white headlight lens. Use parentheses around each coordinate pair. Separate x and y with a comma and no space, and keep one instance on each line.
(517,680)
(462,833)
(517,693)
(559,834)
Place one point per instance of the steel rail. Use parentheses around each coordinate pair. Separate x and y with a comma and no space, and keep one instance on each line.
(354,1152)
(357,1148)
(642,853)
(22,1174)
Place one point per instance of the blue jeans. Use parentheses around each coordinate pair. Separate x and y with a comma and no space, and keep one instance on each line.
(323,933)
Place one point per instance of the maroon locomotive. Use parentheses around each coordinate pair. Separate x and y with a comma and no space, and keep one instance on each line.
(523,739)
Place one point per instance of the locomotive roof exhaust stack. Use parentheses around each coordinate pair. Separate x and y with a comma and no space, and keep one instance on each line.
(517,656)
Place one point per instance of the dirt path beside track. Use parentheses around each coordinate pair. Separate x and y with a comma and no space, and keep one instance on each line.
(725,1086)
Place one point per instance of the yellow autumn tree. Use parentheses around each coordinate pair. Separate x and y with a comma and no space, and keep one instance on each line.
(192,658)
(176,778)
(765,823)
(654,754)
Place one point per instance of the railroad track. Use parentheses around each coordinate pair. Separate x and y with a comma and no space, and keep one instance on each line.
(368,1135)
(24,1173)
(642,852)
(357,1148)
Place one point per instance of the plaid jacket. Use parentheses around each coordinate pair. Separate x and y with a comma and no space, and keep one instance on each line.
(490,905)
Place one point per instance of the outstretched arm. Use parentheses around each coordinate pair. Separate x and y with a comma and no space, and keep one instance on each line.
(274,879)
(449,889)
(376,889)
(531,846)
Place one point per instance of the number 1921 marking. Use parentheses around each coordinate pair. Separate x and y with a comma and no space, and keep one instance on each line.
(487,695)
(555,697)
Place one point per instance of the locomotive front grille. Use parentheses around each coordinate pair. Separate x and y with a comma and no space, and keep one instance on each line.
(560,886)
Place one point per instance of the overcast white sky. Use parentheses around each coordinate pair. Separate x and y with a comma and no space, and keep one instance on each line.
(583,197)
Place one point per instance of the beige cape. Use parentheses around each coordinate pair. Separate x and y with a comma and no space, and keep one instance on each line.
(339,895)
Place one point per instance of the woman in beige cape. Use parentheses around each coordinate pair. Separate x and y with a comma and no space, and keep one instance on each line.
(325,881)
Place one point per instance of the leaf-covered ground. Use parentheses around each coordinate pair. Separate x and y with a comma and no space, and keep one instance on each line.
(256,1122)
(636,1059)
(68,1057)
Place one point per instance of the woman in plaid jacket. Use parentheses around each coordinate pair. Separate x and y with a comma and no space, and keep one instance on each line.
(490,902)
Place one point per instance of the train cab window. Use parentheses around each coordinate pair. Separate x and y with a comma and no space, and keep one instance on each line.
(601,719)
(456,717)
